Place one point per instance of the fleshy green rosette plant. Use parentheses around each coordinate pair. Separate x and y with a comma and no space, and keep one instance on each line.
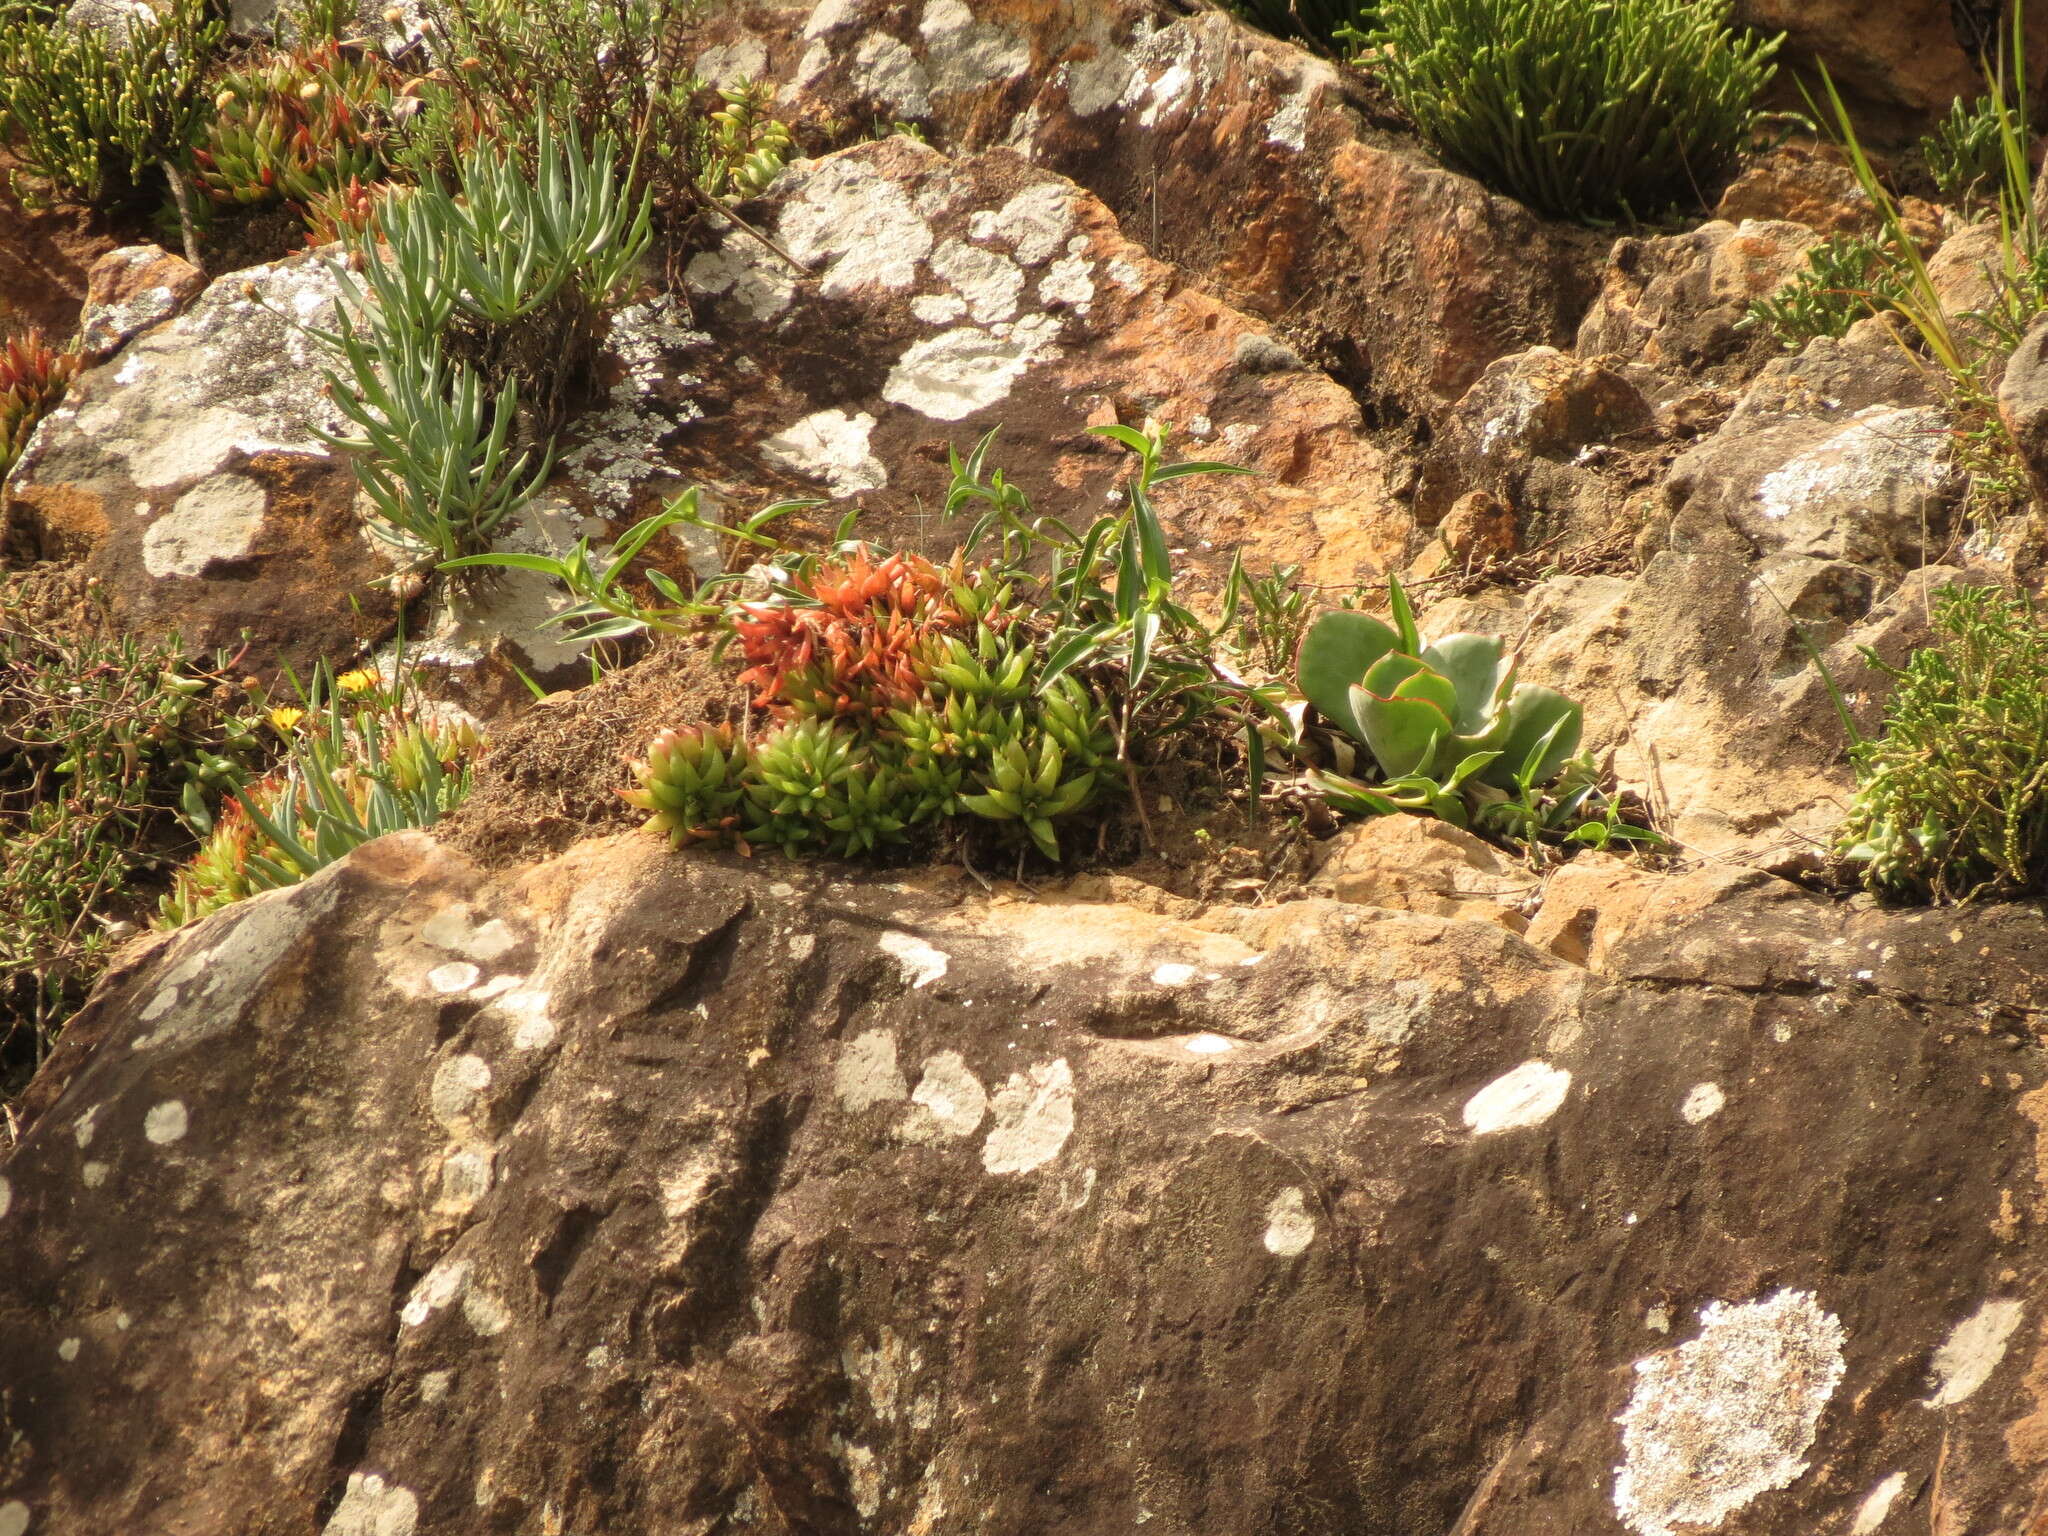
(1453,733)
(1437,718)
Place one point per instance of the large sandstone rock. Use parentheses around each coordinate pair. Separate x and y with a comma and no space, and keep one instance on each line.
(648,1194)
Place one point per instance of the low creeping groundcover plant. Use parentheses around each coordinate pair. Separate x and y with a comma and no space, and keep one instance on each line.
(1952,796)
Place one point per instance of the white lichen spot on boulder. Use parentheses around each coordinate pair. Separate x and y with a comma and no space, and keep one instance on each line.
(1289,1226)
(867,1073)
(1703,1103)
(1034,1116)
(920,963)
(989,281)
(1173,974)
(166,1122)
(949,1099)
(68,1350)
(485,1313)
(853,228)
(435,1290)
(1034,224)
(952,375)
(372,1507)
(458,1082)
(1870,1514)
(965,51)
(886,69)
(215,523)
(1972,1352)
(831,446)
(754,277)
(455,976)
(1727,1416)
(1525,1097)
(6,1196)
(14,1518)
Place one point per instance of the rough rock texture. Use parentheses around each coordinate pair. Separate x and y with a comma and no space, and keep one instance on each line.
(1915,56)
(983,292)
(129,290)
(2023,401)
(1241,159)
(647,1194)
(185,474)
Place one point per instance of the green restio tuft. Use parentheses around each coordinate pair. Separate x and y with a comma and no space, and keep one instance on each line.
(1583,109)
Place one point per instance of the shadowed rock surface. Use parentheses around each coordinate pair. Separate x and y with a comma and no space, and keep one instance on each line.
(646,1193)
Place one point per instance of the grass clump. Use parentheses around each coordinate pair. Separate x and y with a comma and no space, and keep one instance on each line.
(1952,797)
(1583,109)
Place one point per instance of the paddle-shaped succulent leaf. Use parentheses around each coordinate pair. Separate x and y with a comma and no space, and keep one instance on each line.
(1428,711)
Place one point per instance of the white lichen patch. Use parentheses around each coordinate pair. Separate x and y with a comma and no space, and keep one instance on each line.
(867,1074)
(732,63)
(93,1175)
(1972,1351)
(14,1518)
(1034,1116)
(526,1011)
(863,1475)
(1172,974)
(6,1195)
(1206,1044)
(949,1100)
(67,1351)
(166,1122)
(918,962)
(1525,1097)
(988,281)
(436,1289)
(1034,224)
(434,1387)
(831,446)
(455,976)
(755,278)
(886,70)
(1288,126)
(1727,1416)
(965,52)
(454,929)
(372,1507)
(465,1177)
(938,308)
(205,993)
(852,228)
(485,1313)
(1069,281)
(459,1082)
(950,376)
(1877,1504)
(1703,1103)
(215,523)
(1289,1226)
(82,1127)
(1892,462)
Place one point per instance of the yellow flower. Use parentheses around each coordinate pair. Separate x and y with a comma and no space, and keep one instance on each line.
(286,719)
(362,680)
